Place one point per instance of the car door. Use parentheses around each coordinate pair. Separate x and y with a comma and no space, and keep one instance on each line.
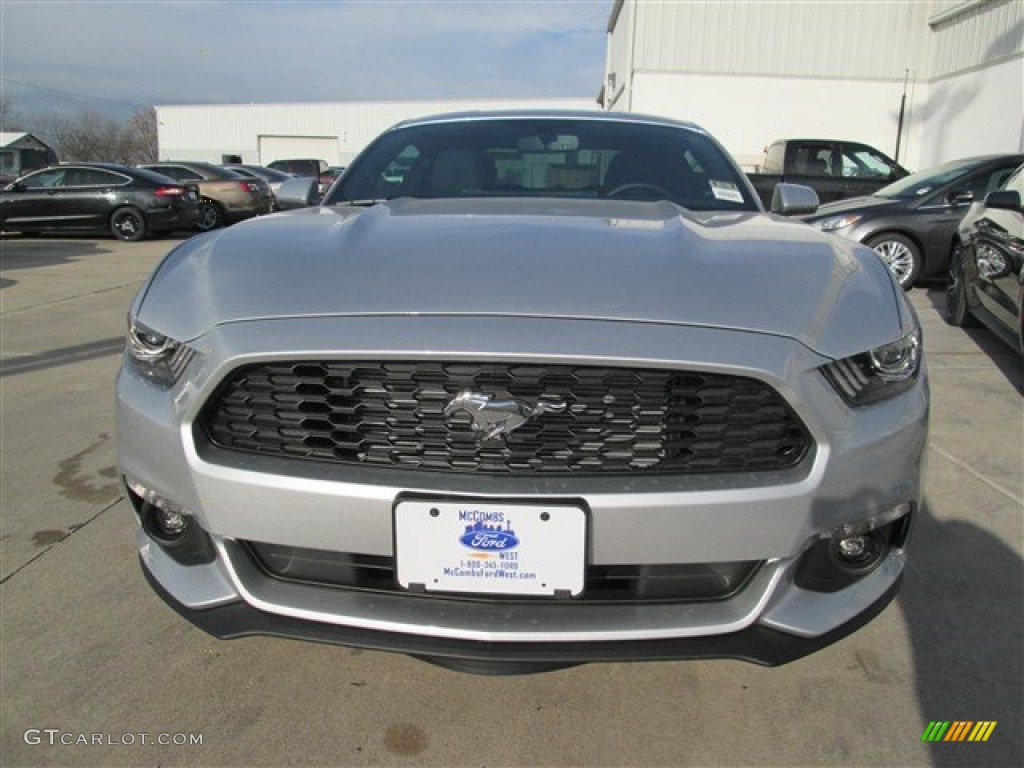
(815,164)
(999,256)
(937,217)
(34,202)
(864,169)
(88,196)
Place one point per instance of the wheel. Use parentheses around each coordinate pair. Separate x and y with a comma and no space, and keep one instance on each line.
(128,224)
(210,217)
(956,311)
(901,255)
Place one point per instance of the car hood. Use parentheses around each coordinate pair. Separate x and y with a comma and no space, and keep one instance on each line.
(872,204)
(614,261)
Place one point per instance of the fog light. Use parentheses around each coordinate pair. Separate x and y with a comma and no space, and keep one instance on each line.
(840,556)
(170,522)
(858,554)
(852,548)
(174,528)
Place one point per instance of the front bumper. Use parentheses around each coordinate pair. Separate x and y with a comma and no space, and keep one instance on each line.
(865,463)
(758,644)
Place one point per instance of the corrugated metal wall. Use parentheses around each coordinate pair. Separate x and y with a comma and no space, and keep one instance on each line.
(819,39)
(984,33)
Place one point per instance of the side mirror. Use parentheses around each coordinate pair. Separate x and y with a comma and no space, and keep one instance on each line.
(14,186)
(794,200)
(1007,199)
(300,192)
(960,197)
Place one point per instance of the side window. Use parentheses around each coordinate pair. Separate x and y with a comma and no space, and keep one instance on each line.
(50,179)
(1016,182)
(176,172)
(861,161)
(92,177)
(998,179)
(983,183)
(813,160)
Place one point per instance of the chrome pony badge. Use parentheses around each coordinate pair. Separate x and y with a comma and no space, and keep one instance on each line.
(492,418)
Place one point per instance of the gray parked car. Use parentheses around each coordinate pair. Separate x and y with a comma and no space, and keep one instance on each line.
(528,389)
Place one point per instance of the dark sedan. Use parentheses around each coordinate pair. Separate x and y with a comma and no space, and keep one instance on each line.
(130,203)
(986,271)
(912,222)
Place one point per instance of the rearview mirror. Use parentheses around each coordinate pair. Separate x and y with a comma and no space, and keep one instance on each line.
(548,142)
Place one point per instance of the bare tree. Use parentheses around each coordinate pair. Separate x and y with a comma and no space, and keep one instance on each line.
(88,136)
(9,120)
(141,137)
(91,136)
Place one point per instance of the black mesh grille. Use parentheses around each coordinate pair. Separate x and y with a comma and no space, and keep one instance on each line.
(604,583)
(615,420)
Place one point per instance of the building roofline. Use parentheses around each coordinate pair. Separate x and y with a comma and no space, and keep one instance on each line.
(376,102)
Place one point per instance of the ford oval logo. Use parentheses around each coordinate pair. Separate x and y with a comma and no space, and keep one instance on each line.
(489,536)
(489,541)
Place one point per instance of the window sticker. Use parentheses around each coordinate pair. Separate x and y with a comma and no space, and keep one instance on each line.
(725,190)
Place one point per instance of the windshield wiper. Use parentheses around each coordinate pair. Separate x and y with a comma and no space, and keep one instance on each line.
(365,202)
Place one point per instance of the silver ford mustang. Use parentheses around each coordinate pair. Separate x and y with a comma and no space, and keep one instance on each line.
(527,389)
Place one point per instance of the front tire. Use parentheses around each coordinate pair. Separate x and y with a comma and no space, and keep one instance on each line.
(128,224)
(210,217)
(901,255)
(957,312)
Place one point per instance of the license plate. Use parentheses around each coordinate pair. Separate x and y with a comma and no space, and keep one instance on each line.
(193,195)
(490,547)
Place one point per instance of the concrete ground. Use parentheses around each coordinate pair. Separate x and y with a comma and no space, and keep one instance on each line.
(90,654)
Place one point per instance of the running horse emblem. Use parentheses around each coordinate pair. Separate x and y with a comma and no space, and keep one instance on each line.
(492,418)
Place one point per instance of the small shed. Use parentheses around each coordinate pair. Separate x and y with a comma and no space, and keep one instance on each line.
(22,140)
(22,152)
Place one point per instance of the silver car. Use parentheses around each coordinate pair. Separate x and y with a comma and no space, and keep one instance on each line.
(528,389)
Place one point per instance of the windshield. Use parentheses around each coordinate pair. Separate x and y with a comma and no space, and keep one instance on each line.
(927,181)
(547,157)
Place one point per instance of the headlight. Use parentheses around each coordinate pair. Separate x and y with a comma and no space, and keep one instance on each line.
(155,356)
(879,373)
(832,223)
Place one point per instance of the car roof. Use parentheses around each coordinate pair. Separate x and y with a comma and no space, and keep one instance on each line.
(550,114)
(89,164)
(132,171)
(220,171)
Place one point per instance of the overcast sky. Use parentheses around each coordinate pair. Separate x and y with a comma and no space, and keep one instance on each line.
(111,55)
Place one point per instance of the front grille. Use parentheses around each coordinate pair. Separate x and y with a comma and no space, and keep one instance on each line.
(614,420)
(604,583)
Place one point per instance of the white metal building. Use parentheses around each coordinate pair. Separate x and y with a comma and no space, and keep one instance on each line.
(754,71)
(335,132)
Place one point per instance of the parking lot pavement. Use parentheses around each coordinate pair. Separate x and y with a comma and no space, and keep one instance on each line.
(90,654)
